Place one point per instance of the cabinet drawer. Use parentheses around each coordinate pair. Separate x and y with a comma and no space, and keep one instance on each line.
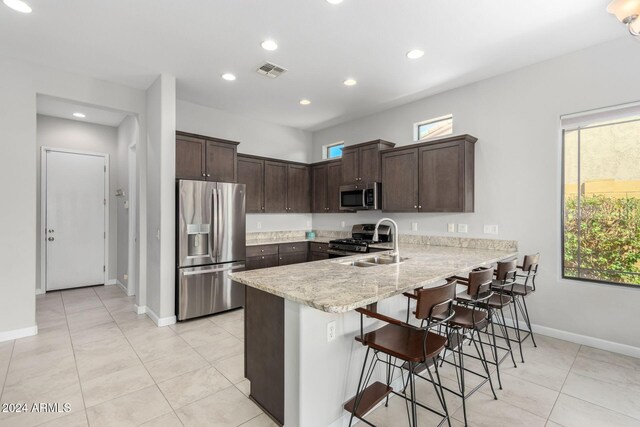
(319,247)
(318,256)
(253,251)
(265,261)
(288,248)
(292,258)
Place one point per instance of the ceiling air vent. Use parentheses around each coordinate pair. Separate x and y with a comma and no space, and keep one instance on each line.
(270,70)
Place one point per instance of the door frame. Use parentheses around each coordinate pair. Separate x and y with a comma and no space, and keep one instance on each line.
(132,269)
(42,233)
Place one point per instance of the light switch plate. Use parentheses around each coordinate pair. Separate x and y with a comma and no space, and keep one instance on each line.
(342,224)
(490,229)
(259,225)
(451,228)
(331,331)
(414,226)
(462,228)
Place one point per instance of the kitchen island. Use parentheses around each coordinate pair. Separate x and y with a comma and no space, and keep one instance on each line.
(298,375)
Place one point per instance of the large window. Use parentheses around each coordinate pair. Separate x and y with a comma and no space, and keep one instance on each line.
(433,128)
(601,196)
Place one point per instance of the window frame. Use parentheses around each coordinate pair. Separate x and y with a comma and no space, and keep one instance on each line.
(327,147)
(563,131)
(417,125)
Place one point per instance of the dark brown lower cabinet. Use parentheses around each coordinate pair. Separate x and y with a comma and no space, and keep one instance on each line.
(293,258)
(264,350)
(266,261)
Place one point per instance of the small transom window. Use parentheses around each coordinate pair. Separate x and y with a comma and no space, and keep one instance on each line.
(333,151)
(433,128)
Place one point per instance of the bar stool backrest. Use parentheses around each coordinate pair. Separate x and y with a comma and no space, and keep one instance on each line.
(530,263)
(506,271)
(435,301)
(480,283)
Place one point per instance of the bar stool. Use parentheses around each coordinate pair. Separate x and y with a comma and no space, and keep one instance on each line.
(519,291)
(409,344)
(470,318)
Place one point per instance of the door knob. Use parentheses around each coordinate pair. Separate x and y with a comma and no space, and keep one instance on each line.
(51,239)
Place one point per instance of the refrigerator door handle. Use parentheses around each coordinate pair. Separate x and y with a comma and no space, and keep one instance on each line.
(214,225)
(219,229)
(214,270)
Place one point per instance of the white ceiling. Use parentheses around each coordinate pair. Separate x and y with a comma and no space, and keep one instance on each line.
(50,106)
(130,42)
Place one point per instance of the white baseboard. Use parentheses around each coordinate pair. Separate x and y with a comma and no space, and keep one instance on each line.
(40,291)
(160,321)
(122,286)
(111,282)
(140,309)
(19,333)
(599,343)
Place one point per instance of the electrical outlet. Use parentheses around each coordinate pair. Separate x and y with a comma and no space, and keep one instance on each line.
(308,224)
(451,228)
(259,225)
(126,277)
(462,228)
(414,226)
(342,224)
(331,331)
(490,229)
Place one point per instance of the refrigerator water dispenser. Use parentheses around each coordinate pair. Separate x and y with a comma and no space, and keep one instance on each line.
(198,240)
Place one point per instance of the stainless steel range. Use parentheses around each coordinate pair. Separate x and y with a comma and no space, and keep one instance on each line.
(360,241)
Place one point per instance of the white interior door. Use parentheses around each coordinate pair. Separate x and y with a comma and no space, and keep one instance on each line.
(75,220)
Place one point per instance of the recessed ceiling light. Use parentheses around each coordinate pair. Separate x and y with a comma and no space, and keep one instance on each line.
(334,1)
(350,82)
(269,45)
(79,115)
(415,54)
(305,102)
(18,5)
(229,77)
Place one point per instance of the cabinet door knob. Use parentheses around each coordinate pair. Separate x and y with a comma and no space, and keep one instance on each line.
(204,174)
(293,247)
(263,208)
(208,174)
(419,207)
(261,250)
(415,207)
(263,257)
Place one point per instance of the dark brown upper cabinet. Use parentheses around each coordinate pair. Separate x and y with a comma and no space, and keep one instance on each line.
(436,176)
(190,154)
(205,158)
(275,187)
(221,160)
(400,180)
(325,187)
(251,173)
(334,172)
(361,162)
(298,189)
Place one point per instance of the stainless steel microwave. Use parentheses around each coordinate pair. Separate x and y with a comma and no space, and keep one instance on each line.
(361,197)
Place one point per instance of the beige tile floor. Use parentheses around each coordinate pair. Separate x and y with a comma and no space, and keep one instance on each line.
(116,368)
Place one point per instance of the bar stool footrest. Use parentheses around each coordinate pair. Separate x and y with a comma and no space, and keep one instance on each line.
(371,396)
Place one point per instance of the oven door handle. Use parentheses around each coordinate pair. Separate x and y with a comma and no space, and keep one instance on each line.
(338,252)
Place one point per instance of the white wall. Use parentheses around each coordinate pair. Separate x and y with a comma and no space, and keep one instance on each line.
(75,135)
(516,117)
(127,136)
(161,115)
(257,138)
(19,84)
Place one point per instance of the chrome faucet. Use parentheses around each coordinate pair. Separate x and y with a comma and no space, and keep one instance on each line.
(396,251)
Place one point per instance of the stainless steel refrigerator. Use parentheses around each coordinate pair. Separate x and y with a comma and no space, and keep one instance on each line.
(210,245)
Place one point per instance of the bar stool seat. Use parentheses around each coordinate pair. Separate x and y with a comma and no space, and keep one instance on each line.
(519,289)
(405,343)
(464,318)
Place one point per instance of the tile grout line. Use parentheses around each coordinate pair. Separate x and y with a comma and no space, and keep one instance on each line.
(73,350)
(563,383)
(143,365)
(4,382)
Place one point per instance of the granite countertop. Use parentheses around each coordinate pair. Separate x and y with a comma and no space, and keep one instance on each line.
(278,240)
(331,286)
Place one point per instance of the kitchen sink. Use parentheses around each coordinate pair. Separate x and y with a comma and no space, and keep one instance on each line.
(373,261)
